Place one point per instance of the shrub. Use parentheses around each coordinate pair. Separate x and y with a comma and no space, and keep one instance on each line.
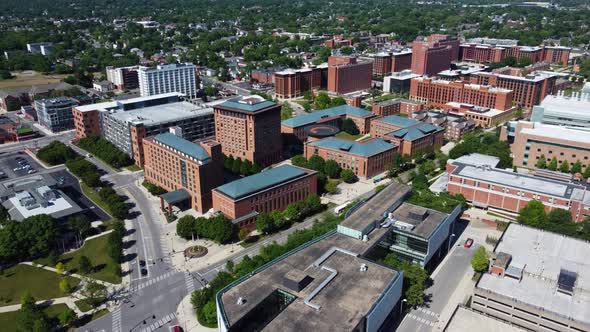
(56,153)
(154,189)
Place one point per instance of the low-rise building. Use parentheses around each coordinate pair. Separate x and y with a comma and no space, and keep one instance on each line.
(56,114)
(412,136)
(398,82)
(292,83)
(531,140)
(366,159)
(295,129)
(458,127)
(242,200)
(482,116)
(573,111)
(397,106)
(537,280)
(483,185)
(188,171)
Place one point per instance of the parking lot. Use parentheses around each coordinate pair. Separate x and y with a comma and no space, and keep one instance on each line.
(17,164)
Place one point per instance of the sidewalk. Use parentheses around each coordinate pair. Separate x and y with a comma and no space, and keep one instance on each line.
(75,275)
(187,318)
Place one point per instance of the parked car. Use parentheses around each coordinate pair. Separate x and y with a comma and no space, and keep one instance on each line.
(176,328)
(31,171)
(468,243)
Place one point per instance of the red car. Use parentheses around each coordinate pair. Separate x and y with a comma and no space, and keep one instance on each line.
(176,328)
(468,243)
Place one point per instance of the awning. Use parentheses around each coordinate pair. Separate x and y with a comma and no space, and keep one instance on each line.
(176,196)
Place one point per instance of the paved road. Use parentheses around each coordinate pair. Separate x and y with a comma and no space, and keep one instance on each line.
(38,142)
(444,285)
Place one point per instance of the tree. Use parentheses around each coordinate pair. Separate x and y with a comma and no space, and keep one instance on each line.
(299,161)
(255,168)
(322,101)
(331,187)
(316,163)
(80,224)
(565,167)
(236,166)
(30,317)
(332,169)
(542,162)
(60,268)
(348,176)
(95,292)
(264,223)
(228,163)
(532,214)
(586,173)
(559,216)
(292,211)
(67,317)
(64,286)
(552,164)
(185,227)
(350,127)
(337,101)
(480,260)
(428,167)
(84,264)
(577,167)
(245,167)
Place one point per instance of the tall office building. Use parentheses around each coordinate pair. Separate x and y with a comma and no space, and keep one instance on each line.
(55,114)
(249,128)
(124,78)
(346,74)
(168,78)
(434,55)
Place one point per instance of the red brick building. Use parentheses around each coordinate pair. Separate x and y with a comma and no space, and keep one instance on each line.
(484,53)
(488,187)
(272,190)
(347,74)
(401,60)
(176,164)
(293,83)
(397,106)
(249,128)
(382,64)
(262,76)
(434,55)
(412,136)
(439,92)
(366,159)
(527,91)
(338,41)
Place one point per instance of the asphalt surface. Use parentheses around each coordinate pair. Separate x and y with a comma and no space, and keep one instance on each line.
(456,265)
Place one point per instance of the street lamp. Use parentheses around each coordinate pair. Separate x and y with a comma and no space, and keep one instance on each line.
(401,308)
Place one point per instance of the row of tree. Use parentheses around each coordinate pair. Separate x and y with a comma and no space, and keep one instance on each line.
(554,165)
(115,245)
(323,101)
(218,228)
(415,279)
(484,143)
(268,223)
(34,237)
(56,153)
(105,150)
(239,166)
(203,299)
(325,168)
(154,189)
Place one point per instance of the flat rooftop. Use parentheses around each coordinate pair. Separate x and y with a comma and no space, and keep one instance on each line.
(424,220)
(343,302)
(365,149)
(559,133)
(516,180)
(154,115)
(399,121)
(465,319)
(263,180)
(247,103)
(375,209)
(544,255)
(313,117)
(107,105)
(562,106)
(398,101)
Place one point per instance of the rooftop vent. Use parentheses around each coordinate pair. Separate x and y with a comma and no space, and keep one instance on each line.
(241,301)
(363,267)
(296,280)
(418,214)
(566,281)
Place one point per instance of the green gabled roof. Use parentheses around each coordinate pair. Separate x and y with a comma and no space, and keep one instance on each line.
(254,183)
(236,104)
(189,148)
(399,121)
(365,149)
(417,132)
(313,117)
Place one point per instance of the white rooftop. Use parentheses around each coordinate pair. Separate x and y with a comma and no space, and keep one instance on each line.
(162,113)
(113,104)
(558,132)
(465,319)
(567,106)
(543,255)
(55,206)
(477,159)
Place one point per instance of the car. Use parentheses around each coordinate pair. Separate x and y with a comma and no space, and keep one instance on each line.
(31,171)
(143,272)
(23,162)
(176,328)
(17,169)
(142,263)
(468,243)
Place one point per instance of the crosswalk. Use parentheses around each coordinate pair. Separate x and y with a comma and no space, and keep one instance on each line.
(190,285)
(156,325)
(165,252)
(152,281)
(117,320)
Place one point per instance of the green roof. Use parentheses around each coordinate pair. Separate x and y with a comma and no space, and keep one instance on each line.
(399,121)
(414,133)
(248,107)
(257,182)
(365,149)
(176,196)
(313,117)
(189,148)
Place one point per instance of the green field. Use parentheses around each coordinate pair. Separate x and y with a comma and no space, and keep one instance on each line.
(96,250)
(40,283)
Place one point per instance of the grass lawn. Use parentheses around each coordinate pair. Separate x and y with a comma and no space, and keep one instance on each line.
(93,196)
(40,283)
(83,305)
(348,136)
(8,319)
(133,168)
(96,250)
(28,78)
